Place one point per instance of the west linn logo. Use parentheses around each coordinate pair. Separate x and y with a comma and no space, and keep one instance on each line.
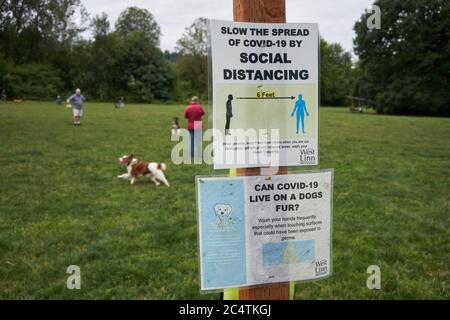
(321,267)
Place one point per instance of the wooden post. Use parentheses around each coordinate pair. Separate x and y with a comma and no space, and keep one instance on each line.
(270,11)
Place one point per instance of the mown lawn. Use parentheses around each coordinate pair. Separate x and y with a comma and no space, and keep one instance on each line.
(61,204)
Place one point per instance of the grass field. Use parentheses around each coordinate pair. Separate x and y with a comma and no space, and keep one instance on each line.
(61,204)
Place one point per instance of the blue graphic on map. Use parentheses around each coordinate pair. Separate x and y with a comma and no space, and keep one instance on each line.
(278,253)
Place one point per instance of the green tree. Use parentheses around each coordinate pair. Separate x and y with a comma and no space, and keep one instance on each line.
(405,65)
(36,36)
(192,60)
(100,61)
(100,25)
(31,30)
(42,53)
(5,69)
(193,41)
(114,65)
(34,81)
(335,74)
(143,70)
(136,20)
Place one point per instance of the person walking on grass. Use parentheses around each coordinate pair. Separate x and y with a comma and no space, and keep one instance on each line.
(77,100)
(120,103)
(194,113)
(3,97)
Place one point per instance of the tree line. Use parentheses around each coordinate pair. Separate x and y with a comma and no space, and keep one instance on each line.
(404,66)
(43,54)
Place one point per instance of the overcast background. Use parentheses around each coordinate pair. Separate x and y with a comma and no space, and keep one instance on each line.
(335,17)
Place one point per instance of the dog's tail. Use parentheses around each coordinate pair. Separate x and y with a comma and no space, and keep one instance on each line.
(162,166)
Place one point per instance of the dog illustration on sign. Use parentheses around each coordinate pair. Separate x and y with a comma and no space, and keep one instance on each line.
(223,213)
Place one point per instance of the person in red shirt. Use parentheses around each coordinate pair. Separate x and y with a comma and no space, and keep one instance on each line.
(194,113)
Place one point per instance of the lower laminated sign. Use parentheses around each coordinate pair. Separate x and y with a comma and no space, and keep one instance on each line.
(257,230)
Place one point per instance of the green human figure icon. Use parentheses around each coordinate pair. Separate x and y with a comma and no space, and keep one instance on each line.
(300,111)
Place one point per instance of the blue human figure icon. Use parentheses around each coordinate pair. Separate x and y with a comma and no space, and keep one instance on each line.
(300,111)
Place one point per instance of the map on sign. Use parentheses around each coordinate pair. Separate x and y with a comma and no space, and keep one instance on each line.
(277,253)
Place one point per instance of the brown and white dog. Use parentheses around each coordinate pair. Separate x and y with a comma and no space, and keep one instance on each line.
(135,169)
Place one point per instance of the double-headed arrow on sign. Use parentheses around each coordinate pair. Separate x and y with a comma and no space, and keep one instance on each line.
(265,98)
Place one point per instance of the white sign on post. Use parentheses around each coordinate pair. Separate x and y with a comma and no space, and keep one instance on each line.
(265,94)
(258,229)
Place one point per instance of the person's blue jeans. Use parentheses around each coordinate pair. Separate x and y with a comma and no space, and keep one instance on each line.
(196,143)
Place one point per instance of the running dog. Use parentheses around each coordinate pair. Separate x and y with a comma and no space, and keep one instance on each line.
(136,169)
